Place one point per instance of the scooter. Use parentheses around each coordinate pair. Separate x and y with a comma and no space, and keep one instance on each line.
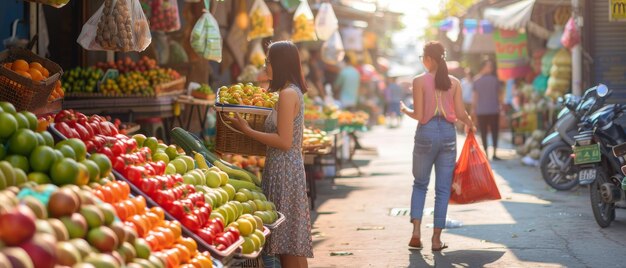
(557,167)
(598,154)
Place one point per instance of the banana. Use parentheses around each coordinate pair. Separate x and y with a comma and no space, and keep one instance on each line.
(200,160)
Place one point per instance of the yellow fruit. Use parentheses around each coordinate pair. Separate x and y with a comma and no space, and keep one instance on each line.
(245,227)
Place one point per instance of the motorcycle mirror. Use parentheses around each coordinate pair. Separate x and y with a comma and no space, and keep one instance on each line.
(602,90)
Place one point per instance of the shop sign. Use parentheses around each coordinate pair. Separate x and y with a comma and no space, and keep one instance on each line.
(617,10)
(511,54)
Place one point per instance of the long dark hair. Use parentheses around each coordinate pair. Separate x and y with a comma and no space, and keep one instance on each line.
(437,52)
(285,60)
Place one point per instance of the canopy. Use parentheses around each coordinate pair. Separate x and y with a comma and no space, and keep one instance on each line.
(511,17)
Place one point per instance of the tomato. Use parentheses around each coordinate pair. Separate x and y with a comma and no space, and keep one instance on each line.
(119,148)
(135,174)
(234,231)
(104,129)
(218,224)
(230,237)
(191,222)
(159,167)
(222,239)
(149,186)
(203,214)
(64,116)
(95,127)
(206,235)
(149,170)
(119,164)
(80,118)
(106,151)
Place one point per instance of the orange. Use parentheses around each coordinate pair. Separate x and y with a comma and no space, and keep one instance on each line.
(24,74)
(183,253)
(44,72)
(140,203)
(176,229)
(20,65)
(159,211)
(169,236)
(190,244)
(35,65)
(36,75)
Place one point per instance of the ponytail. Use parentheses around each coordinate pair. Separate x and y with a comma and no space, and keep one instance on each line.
(442,80)
(436,51)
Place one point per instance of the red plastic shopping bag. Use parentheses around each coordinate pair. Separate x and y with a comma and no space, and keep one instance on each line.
(473,179)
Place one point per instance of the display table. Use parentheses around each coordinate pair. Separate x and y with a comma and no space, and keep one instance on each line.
(127,109)
(201,106)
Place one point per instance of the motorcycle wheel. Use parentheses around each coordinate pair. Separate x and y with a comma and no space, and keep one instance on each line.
(557,166)
(604,213)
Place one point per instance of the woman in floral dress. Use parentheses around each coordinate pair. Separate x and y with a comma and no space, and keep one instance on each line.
(284,180)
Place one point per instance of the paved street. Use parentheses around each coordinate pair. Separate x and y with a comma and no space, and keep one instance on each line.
(531,226)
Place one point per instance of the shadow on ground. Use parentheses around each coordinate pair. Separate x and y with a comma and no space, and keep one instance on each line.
(462,258)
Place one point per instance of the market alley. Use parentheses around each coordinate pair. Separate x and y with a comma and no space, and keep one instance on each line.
(363,221)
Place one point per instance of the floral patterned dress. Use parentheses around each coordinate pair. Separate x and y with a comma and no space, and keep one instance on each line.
(284,182)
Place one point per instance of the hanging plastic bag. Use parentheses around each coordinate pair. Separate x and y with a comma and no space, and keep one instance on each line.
(54,3)
(206,39)
(571,35)
(261,21)
(326,22)
(473,178)
(303,24)
(164,16)
(119,25)
(257,57)
(332,50)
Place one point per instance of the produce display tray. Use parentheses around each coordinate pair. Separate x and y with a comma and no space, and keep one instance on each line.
(223,256)
(243,257)
(278,222)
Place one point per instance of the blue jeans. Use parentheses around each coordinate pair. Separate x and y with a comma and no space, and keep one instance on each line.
(435,144)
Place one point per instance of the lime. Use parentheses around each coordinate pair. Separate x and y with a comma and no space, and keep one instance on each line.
(8,123)
(18,161)
(160,156)
(47,137)
(151,143)
(42,158)
(20,177)
(139,138)
(22,142)
(93,168)
(66,150)
(7,107)
(65,171)
(40,139)
(3,151)
(103,162)
(248,246)
(39,177)
(79,148)
(22,121)
(32,120)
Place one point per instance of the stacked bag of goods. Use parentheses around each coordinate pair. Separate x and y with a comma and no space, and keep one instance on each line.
(560,74)
(531,150)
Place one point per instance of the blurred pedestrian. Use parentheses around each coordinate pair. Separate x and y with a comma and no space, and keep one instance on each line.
(467,89)
(348,82)
(486,102)
(438,103)
(393,96)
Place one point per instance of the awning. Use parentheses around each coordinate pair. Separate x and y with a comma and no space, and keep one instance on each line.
(478,43)
(511,17)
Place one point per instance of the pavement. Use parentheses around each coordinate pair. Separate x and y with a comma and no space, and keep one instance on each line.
(360,221)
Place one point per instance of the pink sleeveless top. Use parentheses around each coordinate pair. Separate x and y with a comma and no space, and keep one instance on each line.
(436,102)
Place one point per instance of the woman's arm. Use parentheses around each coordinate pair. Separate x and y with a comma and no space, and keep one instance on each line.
(418,100)
(283,139)
(459,107)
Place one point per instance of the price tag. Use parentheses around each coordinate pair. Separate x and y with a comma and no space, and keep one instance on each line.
(110,74)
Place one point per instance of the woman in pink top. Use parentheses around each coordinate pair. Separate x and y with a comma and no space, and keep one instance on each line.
(438,103)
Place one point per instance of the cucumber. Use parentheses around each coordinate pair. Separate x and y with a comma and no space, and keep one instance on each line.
(238,184)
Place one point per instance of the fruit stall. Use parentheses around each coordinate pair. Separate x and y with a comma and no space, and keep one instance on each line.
(86,194)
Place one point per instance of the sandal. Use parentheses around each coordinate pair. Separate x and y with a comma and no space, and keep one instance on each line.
(415,243)
(443,246)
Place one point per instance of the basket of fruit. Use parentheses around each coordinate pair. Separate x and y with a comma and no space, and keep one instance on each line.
(26,79)
(204,92)
(251,103)
(171,86)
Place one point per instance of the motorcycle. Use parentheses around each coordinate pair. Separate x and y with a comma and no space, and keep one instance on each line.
(555,162)
(598,154)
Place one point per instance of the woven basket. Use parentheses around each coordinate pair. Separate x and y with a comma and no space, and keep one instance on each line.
(22,92)
(230,140)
